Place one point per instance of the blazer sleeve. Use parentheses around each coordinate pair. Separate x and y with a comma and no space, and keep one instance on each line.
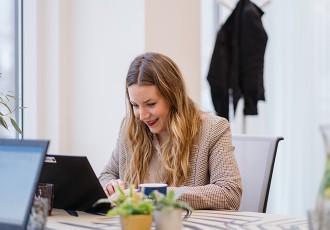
(224,190)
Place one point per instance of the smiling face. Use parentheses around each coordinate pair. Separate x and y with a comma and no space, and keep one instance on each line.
(150,107)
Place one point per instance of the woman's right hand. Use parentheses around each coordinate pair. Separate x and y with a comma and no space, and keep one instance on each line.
(111,186)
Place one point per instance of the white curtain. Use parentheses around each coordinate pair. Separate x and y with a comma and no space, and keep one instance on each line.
(297,84)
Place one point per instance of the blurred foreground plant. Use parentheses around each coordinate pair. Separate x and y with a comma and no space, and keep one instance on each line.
(6,112)
(131,203)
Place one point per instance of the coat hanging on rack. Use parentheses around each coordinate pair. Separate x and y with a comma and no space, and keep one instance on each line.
(237,61)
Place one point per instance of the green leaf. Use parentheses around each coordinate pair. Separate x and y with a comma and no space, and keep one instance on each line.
(169,201)
(12,96)
(3,123)
(5,106)
(133,203)
(171,196)
(6,97)
(16,126)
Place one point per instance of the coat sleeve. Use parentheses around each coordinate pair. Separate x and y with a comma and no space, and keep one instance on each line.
(224,190)
(218,74)
(253,38)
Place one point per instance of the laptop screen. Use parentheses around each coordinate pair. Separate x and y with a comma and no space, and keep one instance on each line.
(20,166)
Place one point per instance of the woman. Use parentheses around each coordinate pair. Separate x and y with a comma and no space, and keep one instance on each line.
(166,138)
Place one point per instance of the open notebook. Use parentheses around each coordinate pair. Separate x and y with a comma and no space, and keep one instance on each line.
(20,166)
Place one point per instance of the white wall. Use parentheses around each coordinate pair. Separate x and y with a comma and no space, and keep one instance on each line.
(173,28)
(76,55)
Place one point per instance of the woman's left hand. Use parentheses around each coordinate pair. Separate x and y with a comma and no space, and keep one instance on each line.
(111,187)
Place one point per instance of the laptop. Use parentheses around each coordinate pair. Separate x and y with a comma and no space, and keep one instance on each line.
(76,187)
(21,162)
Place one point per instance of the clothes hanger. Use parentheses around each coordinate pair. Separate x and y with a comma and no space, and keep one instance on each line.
(262,3)
(230,4)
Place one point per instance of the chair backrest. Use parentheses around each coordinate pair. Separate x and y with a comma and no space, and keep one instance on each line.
(255,156)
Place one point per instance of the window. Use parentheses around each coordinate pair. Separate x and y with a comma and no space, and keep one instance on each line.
(10,61)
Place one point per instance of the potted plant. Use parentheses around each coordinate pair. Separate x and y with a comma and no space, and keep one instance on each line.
(168,210)
(6,111)
(135,209)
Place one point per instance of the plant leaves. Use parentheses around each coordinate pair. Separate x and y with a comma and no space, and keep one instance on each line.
(133,203)
(5,106)
(3,123)
(13,122)
(13,97)
(4,100)
(169,201)
(171,196)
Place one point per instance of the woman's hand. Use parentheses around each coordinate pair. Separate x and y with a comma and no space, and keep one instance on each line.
(111,186)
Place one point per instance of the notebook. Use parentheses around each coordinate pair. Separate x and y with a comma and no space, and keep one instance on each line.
(20,166)
(76,187)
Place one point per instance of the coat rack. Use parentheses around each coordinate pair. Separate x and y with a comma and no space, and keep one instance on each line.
(230,4)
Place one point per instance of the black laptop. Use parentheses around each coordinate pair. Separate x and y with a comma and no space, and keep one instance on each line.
(20,166)
(76,187)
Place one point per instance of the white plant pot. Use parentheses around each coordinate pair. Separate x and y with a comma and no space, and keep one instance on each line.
(168,219)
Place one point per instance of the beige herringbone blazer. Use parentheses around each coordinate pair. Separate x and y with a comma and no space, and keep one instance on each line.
(214,181)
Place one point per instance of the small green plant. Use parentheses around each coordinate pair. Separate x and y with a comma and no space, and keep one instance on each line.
(6,112)
(169,201)
(133,203)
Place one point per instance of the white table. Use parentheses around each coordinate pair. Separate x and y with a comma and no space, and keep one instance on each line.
(201,219)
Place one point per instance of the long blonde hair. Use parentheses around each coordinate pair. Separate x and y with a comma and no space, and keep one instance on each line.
(183,125)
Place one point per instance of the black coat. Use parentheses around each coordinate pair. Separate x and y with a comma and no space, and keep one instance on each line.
(237,61)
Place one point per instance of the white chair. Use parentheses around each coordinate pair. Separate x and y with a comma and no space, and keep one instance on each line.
(255,156)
